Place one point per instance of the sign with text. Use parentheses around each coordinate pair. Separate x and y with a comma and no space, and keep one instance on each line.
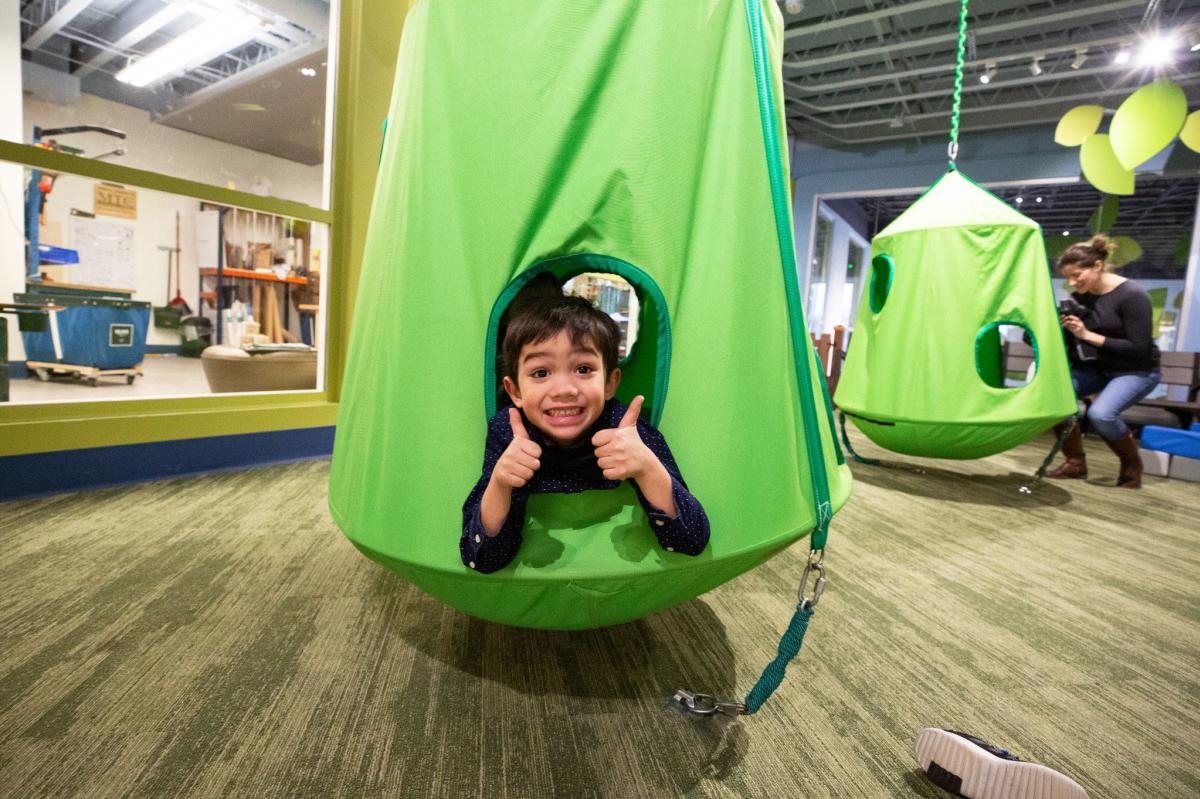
(111,200)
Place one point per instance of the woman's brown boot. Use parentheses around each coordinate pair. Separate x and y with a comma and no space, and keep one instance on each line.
(1075,466)
(1131,462)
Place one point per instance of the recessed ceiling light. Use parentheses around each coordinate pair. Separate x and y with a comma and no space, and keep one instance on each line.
(1066,233)
(308,72)
(1020,199)
(1037,199)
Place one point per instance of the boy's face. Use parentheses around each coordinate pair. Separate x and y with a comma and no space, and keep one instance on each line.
(561,387)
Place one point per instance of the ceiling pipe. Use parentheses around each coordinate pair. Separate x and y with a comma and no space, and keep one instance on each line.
(971,88)
(56,23)
(795,31)
(946,66)
(1182,80)
(1072,16)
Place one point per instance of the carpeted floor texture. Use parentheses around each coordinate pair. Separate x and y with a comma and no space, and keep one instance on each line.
(216,636)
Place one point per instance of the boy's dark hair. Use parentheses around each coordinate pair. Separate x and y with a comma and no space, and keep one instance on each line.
(547,316)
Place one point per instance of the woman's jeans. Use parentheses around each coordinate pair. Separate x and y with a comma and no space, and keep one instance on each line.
(1115,393)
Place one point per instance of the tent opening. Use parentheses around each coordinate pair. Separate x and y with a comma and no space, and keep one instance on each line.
(991,354)
(638,307)
(881,280)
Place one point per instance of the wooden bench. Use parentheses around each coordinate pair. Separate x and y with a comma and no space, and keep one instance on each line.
(1180,374)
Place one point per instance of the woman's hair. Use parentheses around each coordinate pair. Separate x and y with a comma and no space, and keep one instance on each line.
(544,317)
(1087,253)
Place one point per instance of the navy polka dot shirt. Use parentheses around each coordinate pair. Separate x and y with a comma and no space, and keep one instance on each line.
(568,471)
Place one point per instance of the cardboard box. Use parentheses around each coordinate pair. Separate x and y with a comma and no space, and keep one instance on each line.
(1155,462)
(1184,469)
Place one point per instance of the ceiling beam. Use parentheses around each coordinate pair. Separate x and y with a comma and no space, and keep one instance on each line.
(1038,23)
(135,35)
(56,23)
(832,23)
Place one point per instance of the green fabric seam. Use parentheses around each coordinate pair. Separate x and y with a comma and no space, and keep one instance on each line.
(591,262)
(799,332)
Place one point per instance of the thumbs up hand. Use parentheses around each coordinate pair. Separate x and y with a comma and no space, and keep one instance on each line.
(520,459)
(620,451)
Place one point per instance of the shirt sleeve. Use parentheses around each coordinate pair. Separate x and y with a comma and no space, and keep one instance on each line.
(688,532)
(480,551)
(1136,316)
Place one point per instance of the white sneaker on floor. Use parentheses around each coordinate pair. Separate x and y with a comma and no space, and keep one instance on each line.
(973,768)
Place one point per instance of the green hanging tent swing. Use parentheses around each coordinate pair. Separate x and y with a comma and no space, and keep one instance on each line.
(924,373)
(641,139)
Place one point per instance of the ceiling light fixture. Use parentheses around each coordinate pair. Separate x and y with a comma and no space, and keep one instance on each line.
(1066,233)
(1020,199)
(1037,199)
(308,72)
(215,36)
(1157,50)
(1122,56)
(989,72)
(1035,66)
(1081,55)
(794,6)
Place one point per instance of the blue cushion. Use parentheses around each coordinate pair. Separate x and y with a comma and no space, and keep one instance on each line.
(1185,443)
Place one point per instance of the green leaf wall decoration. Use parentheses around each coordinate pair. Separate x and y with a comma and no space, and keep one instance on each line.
(1147,121)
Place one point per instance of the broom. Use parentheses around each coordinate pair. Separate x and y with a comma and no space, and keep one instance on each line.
(179,302)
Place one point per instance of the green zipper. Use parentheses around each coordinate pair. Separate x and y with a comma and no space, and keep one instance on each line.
(800,342)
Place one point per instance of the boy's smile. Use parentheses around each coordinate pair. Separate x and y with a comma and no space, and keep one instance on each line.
(561,387)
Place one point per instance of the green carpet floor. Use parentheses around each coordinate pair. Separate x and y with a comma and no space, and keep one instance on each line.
(217,637)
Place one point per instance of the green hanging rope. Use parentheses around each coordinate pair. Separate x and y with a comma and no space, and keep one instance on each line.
(952,150)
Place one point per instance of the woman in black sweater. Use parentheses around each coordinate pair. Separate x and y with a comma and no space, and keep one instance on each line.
(1112,355)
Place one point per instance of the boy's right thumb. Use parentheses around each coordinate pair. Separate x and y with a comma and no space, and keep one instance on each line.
(518,427)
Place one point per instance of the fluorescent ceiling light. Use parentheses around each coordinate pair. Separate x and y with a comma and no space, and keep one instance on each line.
(213,37)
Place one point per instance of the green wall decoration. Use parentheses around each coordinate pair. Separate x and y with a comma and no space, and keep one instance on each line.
(1183,249)
(1077,124)
(1127,251)
(1190,135)
(1105,215)
(1147,121)
(1102,168)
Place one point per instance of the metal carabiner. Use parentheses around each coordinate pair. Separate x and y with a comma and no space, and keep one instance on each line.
(705,705)
(816,560)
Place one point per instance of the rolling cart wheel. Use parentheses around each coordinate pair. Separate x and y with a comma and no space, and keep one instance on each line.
(93,381)
(129,379)
(42,375)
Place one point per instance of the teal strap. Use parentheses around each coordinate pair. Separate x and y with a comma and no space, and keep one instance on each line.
(958,80)
(789,647)
(850,449)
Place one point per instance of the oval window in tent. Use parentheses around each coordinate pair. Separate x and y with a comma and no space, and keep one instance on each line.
(882,269)
(1006,355)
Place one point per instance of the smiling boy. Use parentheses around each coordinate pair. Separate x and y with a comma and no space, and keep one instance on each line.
(567,434)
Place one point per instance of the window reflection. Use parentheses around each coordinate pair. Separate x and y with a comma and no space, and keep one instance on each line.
(224,92)
(156,294)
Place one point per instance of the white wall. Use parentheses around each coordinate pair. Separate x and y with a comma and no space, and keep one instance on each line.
(12,235)
(158,148)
